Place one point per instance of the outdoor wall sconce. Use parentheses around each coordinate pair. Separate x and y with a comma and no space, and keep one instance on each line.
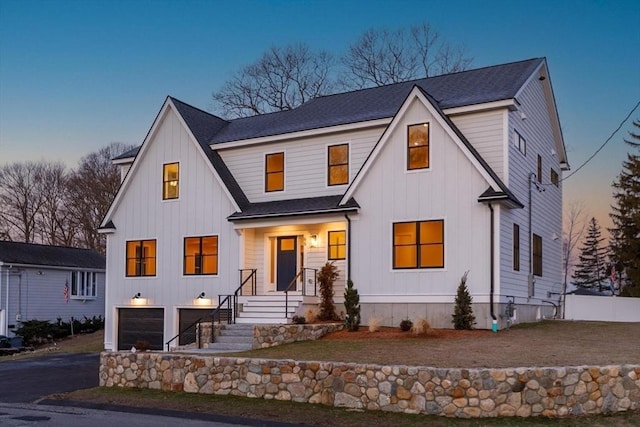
(201,296)
(314,241)
(136,296)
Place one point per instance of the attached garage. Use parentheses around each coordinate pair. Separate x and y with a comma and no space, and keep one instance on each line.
(140,324)
(189,316)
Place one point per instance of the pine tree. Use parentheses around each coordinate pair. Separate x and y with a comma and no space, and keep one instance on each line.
(591,270)
(352,306)
(625,234)
(463,317)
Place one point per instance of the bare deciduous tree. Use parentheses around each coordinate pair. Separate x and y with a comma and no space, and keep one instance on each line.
(54,225)
(574,223)
(92,188)
(382,57)
(281,79)
(21,198)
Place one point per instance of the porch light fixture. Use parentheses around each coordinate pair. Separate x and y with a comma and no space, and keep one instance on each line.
(136,296)
(201,296)
(314,241)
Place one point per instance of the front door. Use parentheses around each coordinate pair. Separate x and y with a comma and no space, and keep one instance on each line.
(287,260)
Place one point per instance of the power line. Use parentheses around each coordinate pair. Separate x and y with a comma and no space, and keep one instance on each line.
(603,145)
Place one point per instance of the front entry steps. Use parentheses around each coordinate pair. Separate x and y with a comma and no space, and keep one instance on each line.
(265,309)
(232,338)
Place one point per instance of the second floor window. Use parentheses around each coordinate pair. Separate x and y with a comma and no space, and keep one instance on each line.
(201,255)
(274,172)
(337,245)
(516,247)
(141,258)
(537,255)
(554,178)
(84,284)
(539,169)
(170,181)
(338,168)
(418,146)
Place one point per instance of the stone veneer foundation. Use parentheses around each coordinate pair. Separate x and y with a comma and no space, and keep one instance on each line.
(524,392)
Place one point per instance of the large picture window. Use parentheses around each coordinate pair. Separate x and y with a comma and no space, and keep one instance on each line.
(170,181)
(337,245)
(338,168)
(274,172)
(141,258)
(537,255)
(84,284)
(201,255)
(418,244)
(418,146)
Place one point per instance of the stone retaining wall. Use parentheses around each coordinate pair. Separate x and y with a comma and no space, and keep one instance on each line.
(524,392)
(270,335)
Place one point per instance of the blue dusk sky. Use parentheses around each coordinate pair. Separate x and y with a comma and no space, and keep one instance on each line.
(78,75)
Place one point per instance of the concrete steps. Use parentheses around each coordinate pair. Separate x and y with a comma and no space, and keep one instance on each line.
(266,309)
(232,338)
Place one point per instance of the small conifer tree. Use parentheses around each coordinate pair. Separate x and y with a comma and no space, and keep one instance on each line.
(352,306)
(463,317)
(327,275)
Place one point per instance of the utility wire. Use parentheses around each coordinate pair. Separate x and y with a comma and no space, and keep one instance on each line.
(603,145)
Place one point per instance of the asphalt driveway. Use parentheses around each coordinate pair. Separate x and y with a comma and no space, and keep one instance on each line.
(28,380)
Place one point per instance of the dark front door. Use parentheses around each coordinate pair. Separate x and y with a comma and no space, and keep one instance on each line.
(287,261)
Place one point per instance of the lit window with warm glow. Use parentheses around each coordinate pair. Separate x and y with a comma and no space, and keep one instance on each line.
(274,172)
(418,146)
(337,245)
(338,168)
(418,244)
(141,258)
(170,181)
(201,255)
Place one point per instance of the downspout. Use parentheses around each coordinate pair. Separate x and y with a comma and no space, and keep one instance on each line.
(348,246)
(494,320)
(530,276)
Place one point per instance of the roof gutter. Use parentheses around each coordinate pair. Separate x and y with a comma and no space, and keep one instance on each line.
(53,267)
(231,218)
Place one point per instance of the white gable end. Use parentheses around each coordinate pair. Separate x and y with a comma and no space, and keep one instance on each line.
(447,191)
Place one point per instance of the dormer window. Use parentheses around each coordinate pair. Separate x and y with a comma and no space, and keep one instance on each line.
(418,146)
(274,172)
(170,181)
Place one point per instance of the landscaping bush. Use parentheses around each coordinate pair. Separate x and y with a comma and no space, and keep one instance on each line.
(374,324)
(406,325)
(463,317)
(421,326)
(327,275)
(298,320)
(35,332)
(352,305)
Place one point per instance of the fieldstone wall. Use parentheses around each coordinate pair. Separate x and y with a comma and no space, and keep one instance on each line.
(523,392)
(271,335)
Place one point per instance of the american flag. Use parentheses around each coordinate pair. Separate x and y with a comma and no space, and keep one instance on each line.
(66,291)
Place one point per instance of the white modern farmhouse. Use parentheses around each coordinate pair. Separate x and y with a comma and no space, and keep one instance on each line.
(404,187)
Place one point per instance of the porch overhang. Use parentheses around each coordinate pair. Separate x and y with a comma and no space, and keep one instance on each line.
(504,197)
(294,208)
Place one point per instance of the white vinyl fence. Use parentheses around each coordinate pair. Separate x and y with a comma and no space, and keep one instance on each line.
(603,308)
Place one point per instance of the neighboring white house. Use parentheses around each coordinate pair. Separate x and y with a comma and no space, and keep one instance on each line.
(42,282)
(404,187)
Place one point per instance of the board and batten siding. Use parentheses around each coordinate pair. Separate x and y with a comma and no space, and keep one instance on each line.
(448,190)
(485,131)
(305,164)
(200,210)
(546,206)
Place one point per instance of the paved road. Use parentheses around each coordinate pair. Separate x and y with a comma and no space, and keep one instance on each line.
(25,382)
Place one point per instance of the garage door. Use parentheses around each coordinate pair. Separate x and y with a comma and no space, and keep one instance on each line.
(140,324)
(188,316)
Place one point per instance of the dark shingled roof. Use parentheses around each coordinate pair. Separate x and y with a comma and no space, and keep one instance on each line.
(306,206)
(45,255)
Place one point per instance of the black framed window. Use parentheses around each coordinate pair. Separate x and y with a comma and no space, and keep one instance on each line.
(537,255)
(170,181)
(338,164)
(141,258)
(516,247)
(418,146)
(274,172)
(418,244)
(201,255)
(337,245)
